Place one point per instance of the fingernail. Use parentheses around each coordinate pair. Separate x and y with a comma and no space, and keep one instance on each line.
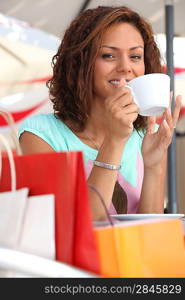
(169,110)
(122,82)
(165,123)
(128,87)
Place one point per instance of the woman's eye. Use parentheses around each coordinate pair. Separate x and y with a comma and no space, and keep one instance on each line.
(107,55)
(136,57)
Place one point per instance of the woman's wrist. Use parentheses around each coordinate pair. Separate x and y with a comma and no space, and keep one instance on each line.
(156,170)
(111,151)
(114,143)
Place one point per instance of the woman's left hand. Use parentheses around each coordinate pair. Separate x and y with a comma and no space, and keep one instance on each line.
(155,144)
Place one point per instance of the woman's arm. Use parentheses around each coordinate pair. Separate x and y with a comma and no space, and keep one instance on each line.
(153,189)
(120,113)
(154,150)
(31,143)
(104,179)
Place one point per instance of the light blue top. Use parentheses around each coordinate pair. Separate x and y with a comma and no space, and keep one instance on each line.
(61,138)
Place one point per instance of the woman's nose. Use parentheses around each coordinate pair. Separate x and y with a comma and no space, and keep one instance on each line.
(124,65)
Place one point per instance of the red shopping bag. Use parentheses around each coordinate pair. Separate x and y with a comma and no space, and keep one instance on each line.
(61,174)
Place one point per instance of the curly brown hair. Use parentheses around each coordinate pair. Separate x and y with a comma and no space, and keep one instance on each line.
(71,86)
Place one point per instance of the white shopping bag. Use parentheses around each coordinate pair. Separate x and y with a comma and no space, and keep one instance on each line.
(12,209)
(38,230)
(26,223)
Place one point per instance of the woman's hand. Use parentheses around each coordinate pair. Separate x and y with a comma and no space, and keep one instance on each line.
(121,112)
(155,144)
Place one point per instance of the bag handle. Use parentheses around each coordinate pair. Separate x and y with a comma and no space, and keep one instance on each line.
(92,187)
(11,162)
(10,121)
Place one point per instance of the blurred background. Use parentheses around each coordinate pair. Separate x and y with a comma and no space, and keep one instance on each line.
(30,32)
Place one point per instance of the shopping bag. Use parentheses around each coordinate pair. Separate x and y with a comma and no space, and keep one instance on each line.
(12,208)
(145,248)
(61,174)
(26,223)
(152,248)
(38,232)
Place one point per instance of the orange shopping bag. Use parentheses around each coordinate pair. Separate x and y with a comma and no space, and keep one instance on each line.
(148,248)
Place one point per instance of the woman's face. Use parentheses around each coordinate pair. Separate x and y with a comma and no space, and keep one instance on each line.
(120,56)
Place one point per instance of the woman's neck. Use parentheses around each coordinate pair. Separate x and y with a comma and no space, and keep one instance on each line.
(94,132)
(96,124)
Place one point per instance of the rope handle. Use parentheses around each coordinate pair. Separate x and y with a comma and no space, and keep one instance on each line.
(11,162)
(9,119)
(92,187)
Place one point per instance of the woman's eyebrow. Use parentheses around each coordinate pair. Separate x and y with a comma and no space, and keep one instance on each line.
(115,48)
(136,47)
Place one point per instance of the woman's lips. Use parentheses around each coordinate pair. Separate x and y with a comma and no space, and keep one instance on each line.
(114,82)
(118,82)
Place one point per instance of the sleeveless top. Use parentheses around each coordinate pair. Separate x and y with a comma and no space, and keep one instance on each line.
(59,136)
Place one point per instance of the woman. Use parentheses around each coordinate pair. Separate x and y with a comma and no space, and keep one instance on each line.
(102,50)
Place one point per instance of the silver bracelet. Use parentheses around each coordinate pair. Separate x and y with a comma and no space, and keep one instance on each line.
(106,165)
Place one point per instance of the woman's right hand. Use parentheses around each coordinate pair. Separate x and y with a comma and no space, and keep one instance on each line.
(121,112)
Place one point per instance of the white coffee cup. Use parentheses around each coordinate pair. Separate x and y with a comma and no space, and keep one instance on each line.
(151,93)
